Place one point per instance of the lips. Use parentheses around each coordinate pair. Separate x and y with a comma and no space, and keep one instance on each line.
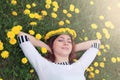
(65,48)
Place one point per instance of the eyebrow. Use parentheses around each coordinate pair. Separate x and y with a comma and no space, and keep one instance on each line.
(67,38)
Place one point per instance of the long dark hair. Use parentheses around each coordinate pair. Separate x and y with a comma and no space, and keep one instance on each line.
(51,57)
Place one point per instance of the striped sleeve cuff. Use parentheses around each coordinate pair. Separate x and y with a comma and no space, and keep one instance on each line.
(96,45)
(22,38)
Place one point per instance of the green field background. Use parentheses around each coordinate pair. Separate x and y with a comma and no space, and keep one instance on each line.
(93,18)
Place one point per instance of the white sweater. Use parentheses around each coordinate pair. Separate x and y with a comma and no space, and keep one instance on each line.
(47,70)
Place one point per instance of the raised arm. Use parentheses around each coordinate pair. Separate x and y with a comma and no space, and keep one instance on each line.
(85,45)
(35,42)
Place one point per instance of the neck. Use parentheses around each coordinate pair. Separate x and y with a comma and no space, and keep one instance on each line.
(61,59)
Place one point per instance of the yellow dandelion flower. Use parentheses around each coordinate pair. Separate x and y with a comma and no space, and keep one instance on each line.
(97,71)
(104,58)
(94,26)
(107,36)
(102,64)
(12,41)
(1,79)
(31,15)
(92,3)
(72,7)
(31,32)
(38,36)
(37,16)
(24,60)
(28,6)
(85,38)
(31,70)
(77,10)
(113,59)
(96,64)
(53,15)
(14,13)
(13,2)
(118,59)
(55,4)
(101,17)
(107,46)
(61,23)
(102,46)
(98,35)
(26,11)
(47,6)
(69,15)
(1,45)
(99,53)
(33,4)
(48,2)
(65,11)
(33,23)
(19,26)
(10,34)
(91,75)
(44,13)
(91,68)
(103,79)
(4,54)
(105,30)
(55,9)
(16,30)
(43,50)
(67,21)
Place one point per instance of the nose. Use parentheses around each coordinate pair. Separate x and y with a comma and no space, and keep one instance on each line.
(65,43)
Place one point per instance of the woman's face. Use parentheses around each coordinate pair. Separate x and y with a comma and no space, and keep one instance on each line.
(62,46)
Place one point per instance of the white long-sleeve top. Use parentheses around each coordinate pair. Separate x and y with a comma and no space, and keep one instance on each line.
(47,70)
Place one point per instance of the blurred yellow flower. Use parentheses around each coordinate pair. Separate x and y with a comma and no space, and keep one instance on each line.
(55,4)
(38,36)
(107,36)
(54,15)
(99,53)
(113,59)
(4,54)
(104,58)
(101,17)
(86,38)
(33,23)
(44,13)
(97,71)
(48,1)
(31,15)
(94,26)
(96,64)
(77,10)
(10,34)
(98,35)
(31,32)
(102,46)
(1,79)
(61,23)
(91,75)
(13,2)
(109,24)
(26,11)
(31,70)
(107,46)
(91,68)
(72,7)
(105,30)
(65,11)
(16,29)
(67,21)
(12,41)
(92,3)
(118,59)
(14,13)
(1,45)
(43,50)
(69,15)
(33,4)
(55,9)
(24,60)
(102,64)
(28,6)
(47,6)
(37,16)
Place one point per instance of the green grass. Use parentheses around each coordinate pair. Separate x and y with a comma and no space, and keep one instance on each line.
(12,68)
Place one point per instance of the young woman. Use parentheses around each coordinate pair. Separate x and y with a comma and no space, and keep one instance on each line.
(58,64)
